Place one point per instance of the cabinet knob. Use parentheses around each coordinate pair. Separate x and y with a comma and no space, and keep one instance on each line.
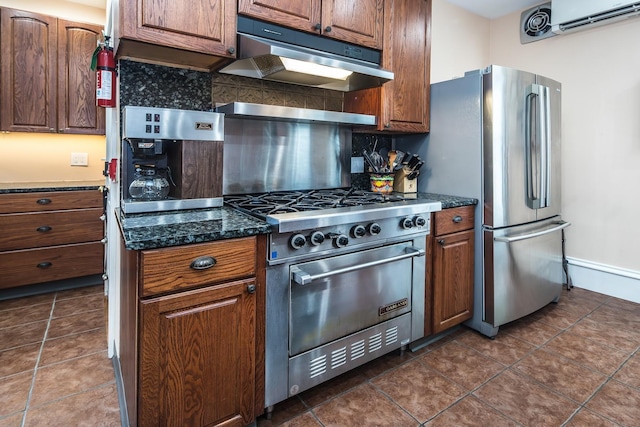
(45,264)
(105,277)
(43,201)
(43,229)
(231,50)
(102,217)
(317,27)
(457,218)
(251,289)
(387,125)
(104,241)
(441,242)
(203,262)
(327,29)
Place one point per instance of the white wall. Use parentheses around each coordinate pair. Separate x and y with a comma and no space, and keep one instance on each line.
(459,41)
(61,9)
(598,69)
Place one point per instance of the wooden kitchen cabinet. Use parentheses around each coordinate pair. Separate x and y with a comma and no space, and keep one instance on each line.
(192,351)
(47,83)
(452,267)
(401,105)
(48,236)
(358,21)
(197,34)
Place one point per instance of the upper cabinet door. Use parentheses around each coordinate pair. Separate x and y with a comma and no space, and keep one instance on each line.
(300,14)
(357,21)
(28,67)
(77,110)
(202,26)
(401,105)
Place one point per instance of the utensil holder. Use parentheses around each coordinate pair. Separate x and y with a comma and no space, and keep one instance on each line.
(382,183)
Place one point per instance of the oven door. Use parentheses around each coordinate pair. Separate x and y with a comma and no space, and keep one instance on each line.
(334,297)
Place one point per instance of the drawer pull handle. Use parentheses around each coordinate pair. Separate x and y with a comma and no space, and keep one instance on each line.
(43,201)
(45,264)
(457,218)
(43,228)
(251,289)
(203,262)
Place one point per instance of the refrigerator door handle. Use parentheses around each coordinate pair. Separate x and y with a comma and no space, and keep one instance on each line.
(537,145)
(560,226)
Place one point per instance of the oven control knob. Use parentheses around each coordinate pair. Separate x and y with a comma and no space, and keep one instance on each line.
(341,241)
(419,221)
(358,231)
(374,228)
(316,238)
(297,241)
(406,223)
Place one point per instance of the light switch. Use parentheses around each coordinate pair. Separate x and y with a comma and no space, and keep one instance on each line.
(79,159)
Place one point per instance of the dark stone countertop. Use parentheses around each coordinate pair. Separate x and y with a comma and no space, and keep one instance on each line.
(449,201)
(35,187)
(163,229)
(175,228)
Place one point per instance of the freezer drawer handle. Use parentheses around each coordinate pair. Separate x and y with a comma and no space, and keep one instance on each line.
(560,226)
(303,278)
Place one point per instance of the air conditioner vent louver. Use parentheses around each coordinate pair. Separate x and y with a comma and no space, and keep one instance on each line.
(570,15)
(535,24)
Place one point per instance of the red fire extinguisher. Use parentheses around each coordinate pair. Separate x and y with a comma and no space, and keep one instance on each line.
(104,63)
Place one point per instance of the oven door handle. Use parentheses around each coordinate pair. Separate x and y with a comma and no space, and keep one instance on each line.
(301,277)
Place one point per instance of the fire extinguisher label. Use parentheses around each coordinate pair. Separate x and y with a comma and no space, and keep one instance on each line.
(103,86)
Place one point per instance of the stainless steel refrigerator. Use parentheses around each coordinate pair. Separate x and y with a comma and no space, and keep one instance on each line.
(495,136)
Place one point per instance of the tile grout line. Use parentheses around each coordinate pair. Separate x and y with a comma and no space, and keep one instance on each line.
(35,369)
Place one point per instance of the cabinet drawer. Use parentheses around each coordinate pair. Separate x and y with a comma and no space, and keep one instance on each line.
(50,201)
(33,230)
(26,267)
(169,269)
(453,220)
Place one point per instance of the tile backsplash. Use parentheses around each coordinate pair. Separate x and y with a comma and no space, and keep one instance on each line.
(228,88)
(149,85)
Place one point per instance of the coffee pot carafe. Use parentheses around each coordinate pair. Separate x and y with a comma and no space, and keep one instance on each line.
(149,183)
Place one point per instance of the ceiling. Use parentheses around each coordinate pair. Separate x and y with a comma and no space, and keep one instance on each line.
(495,8)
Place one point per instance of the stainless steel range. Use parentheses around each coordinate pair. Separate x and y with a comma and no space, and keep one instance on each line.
(345,281)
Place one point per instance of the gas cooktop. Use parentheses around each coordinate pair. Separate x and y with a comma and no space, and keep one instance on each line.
(296,210)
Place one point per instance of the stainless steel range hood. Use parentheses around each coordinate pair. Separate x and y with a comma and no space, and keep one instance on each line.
(292,114)
(265,51)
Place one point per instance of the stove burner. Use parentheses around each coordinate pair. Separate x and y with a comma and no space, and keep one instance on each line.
(312,200)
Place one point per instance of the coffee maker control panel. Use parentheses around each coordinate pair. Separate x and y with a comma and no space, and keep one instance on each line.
(167,123)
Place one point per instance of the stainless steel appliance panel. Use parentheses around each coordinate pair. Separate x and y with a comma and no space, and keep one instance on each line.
(523,269)
(271,155)
(351,292)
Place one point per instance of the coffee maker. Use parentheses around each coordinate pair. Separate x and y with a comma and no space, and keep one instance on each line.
(171,159)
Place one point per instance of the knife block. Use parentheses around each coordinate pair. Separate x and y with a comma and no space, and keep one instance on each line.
(402,184)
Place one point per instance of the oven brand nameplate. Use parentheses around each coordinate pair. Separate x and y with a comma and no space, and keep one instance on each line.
(393,306)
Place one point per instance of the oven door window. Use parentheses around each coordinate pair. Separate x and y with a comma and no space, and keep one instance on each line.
(334,297)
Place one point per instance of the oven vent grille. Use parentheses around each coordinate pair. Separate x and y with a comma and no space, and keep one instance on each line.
(338,357)
(375,342)
(357,350)
(318,366)
(391,335)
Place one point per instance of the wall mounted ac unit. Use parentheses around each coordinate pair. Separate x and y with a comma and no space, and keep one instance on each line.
(575,15)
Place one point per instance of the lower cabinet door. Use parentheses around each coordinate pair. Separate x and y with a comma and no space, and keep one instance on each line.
(452,279)
(197,357)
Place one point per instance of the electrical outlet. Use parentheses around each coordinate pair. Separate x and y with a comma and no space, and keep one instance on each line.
(79,159)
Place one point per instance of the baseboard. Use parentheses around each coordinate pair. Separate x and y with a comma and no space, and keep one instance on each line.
(605,279)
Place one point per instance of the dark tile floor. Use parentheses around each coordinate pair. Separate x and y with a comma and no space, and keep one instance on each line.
(575,363)
(54,369)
